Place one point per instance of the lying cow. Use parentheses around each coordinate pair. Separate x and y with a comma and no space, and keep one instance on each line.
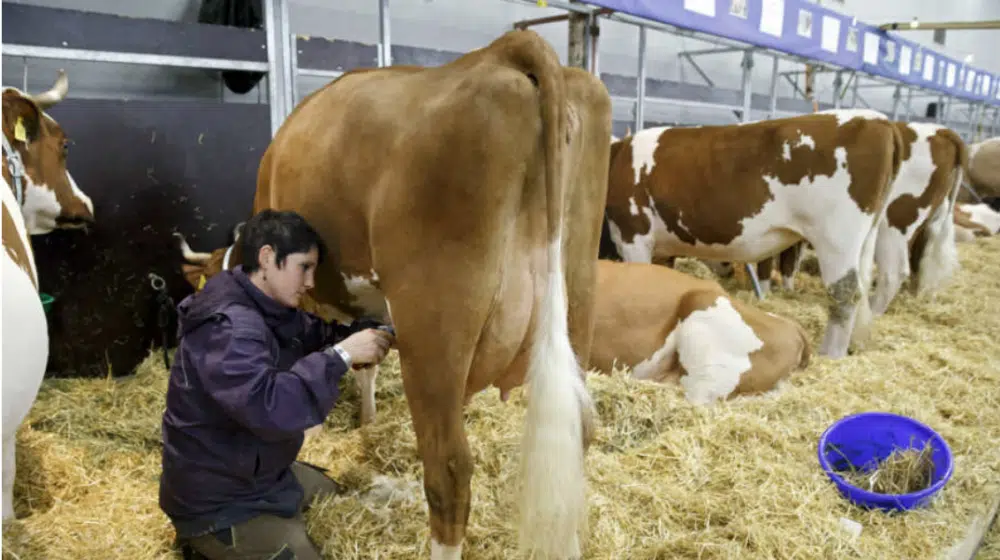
(669,326)
(746,192)
(975,220)
(39,196)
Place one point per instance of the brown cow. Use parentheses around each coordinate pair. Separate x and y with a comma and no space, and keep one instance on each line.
(39,195)
(746,192)
(669,326)
(449,197)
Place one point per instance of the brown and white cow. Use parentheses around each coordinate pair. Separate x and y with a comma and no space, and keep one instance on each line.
(917,234)
(39,195)
(463,202)
(975,220)
(47,193)
(746,192)
(668,326)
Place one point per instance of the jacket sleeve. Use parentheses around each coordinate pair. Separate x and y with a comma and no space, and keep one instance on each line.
(237,371)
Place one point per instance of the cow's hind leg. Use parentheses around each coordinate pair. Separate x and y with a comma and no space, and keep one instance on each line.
(846,271)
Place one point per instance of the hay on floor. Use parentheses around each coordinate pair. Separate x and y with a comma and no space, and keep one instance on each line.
(667,479)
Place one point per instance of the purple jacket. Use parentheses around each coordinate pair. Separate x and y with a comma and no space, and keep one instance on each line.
(248,379)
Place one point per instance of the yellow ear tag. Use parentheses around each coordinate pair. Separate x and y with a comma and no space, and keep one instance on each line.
(20,134)
(201,282)
(542,3)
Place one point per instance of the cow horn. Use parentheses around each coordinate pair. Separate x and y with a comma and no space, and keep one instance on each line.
(54,95)
(237,231)
(189,255)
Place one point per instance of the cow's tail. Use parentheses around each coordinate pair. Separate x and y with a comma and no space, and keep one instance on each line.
(560,415)
(939,259)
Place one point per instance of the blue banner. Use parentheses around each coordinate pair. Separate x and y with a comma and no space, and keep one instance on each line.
(798,27)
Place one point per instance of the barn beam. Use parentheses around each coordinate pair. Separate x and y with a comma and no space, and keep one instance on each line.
(922,26)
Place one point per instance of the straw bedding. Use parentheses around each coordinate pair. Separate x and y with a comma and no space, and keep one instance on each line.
(667,479)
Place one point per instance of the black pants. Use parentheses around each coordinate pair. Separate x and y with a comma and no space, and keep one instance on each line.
(268,537)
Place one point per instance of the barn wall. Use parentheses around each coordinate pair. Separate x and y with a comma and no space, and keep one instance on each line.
(461,25)
(151,168)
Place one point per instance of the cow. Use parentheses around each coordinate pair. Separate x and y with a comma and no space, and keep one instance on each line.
(668,326)
(462,203)
(39,196)
(976,220)
(746,192)
(983,174)
(917,234)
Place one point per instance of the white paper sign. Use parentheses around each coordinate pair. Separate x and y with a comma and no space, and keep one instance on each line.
(970,80)
(739,8)
(985,90)
(772,17)
(871,49)
(830,40)
(852,39)
(951,75)
(703,7)
(805,28)
(928,67)
(905,60)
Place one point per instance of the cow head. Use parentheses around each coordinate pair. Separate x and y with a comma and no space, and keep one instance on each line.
(34,162)
(199,267)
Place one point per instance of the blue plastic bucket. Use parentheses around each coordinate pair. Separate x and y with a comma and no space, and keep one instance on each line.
(46,301)
(862,439)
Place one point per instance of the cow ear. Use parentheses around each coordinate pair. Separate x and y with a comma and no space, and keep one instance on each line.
(21,119)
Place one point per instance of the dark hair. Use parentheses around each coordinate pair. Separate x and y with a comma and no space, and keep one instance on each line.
(286,231)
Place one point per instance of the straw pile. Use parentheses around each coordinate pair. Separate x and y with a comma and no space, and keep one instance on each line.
(667,479)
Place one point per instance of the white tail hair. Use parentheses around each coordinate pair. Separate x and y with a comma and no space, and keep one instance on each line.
(560,412)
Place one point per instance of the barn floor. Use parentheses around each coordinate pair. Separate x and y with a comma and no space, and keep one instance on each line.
(667,480)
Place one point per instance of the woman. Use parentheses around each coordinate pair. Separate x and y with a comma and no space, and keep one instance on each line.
(252,373)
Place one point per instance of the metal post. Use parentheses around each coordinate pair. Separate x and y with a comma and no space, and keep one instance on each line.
(939,114)
(384,38)
(896,97)
(278,74)
(838,81)
(640,94)
(593,36)
(747,87)
(747,66)
(854,91)
(772,108)
(288,48)
(909,100)
(973,113)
